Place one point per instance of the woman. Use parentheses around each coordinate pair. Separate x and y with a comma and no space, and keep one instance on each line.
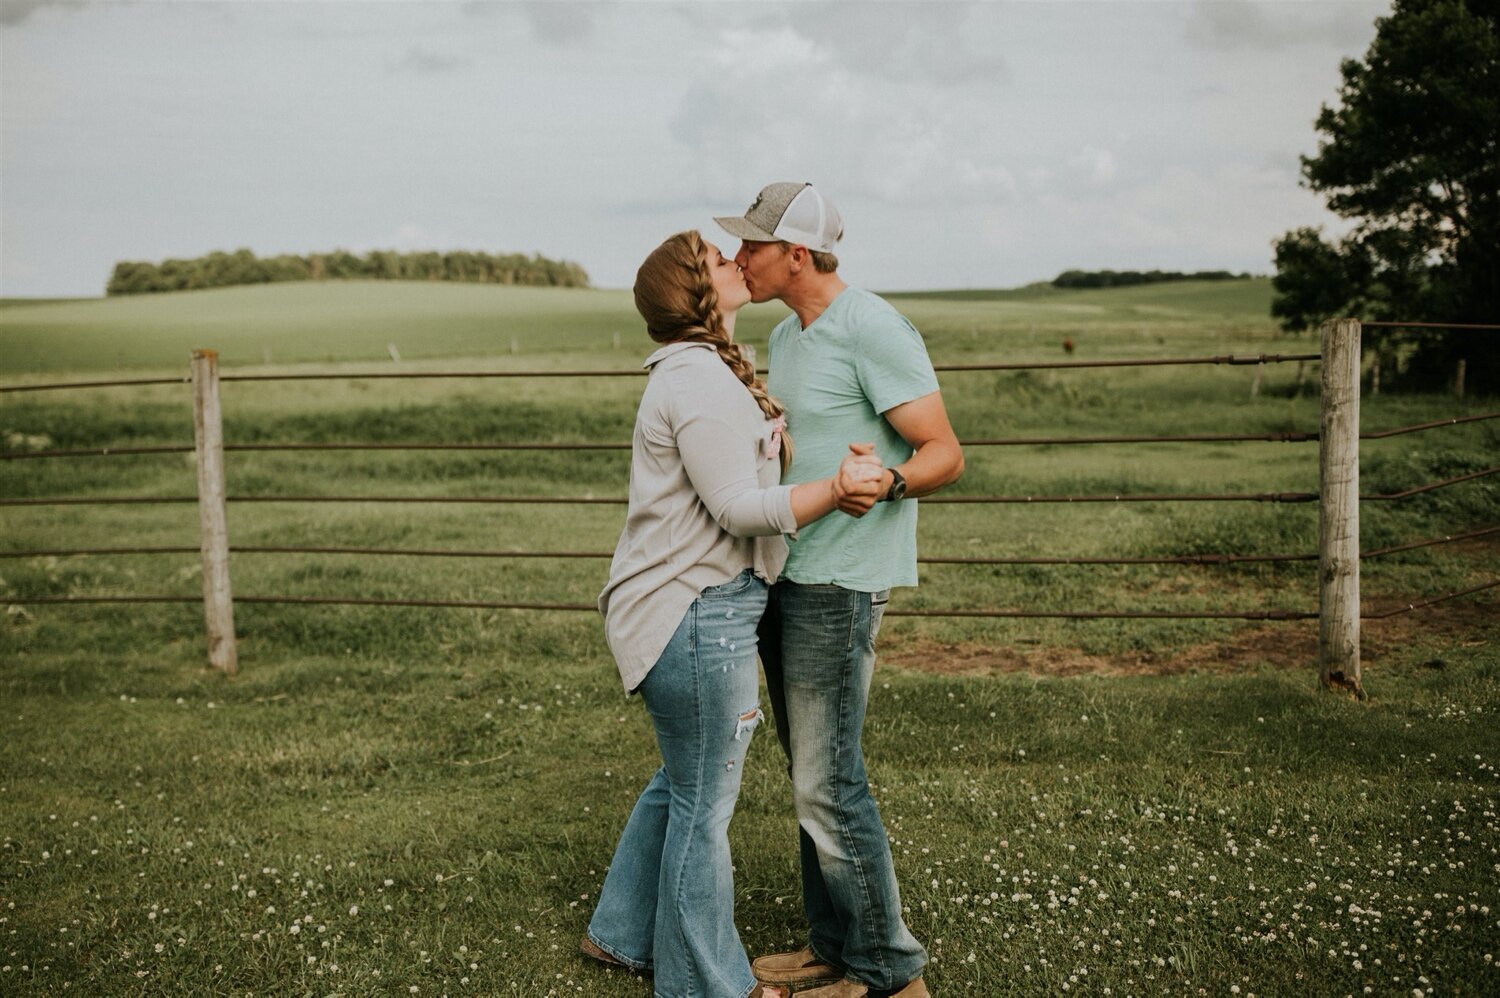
(687,586)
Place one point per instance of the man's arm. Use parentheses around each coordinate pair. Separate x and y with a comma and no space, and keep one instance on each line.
(938,460)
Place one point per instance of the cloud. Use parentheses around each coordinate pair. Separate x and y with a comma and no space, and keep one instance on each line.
(1188,217)
(561,23)
(1097,165)
(770,50)
(913,42)
(1242,25)
(16,11)
(427,62)
(799,110)
(554,22)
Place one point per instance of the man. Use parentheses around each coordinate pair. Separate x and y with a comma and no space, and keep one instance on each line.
(847,366)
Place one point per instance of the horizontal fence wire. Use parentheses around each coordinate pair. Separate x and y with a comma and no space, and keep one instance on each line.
(417,446)
(1234,360)
(1198,559)
(1380,324)
(1274,497)
(1113,614)
(1230,359)
(128,500)
(1419,427)
(1431,600)
(1285,436)
(1224,359)
(1431,486)
(183,379)
(289,549)
(505,605)
(1262,615)
(1186,559)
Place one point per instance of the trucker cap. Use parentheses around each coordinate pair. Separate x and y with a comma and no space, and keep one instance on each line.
(788,211)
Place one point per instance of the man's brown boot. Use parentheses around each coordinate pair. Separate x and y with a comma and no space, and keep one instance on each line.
(794,970)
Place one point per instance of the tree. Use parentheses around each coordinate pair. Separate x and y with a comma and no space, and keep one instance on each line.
(133,277)
(1412,157)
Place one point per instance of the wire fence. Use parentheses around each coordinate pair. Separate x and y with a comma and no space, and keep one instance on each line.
(1230,359)
(1288,436)
(1262,615)
(939,500)
(1187,559)
(1196,559)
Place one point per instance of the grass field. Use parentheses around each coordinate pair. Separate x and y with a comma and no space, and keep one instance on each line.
(357,320)
(399,801)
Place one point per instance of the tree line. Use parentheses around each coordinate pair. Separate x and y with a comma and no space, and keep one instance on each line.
(1121,278)
(221,270)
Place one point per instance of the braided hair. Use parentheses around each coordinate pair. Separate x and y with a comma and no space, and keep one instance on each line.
(674,292)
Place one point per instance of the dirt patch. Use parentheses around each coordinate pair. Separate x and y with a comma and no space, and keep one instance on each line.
(1466,621)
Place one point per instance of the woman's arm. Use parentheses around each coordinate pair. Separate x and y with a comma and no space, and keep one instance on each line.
(722,470)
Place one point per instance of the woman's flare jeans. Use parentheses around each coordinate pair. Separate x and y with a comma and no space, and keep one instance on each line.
(668,900)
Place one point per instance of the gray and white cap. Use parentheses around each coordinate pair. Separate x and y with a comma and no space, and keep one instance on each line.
(788,211)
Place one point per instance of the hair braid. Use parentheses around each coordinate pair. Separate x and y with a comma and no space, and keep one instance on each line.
(674,292)
(739,359)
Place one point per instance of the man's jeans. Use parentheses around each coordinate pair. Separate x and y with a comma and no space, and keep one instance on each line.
(817,643)
(668,900)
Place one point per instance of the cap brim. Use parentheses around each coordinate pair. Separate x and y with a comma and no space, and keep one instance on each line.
(741,228)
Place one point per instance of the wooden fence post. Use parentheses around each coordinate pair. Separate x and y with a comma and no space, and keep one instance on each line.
(1338,510)
(213,517)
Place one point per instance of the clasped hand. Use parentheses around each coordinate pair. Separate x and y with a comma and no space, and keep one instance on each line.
(857,486)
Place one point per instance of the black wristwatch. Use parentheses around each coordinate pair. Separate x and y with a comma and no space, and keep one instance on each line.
(897,489)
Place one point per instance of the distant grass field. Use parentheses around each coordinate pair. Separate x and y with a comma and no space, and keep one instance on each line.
(423,801)
(357,320)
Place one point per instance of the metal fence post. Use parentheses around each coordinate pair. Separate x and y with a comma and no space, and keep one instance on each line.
(1338,510)
(213,517)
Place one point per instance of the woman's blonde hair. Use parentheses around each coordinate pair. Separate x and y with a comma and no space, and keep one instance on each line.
(674,292)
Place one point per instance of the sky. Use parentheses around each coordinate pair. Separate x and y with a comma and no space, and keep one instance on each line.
(964,144)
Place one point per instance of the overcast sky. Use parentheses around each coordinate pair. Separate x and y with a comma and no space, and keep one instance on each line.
(966,144)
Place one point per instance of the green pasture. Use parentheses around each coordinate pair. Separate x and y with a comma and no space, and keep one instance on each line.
(358,321)
(423,801)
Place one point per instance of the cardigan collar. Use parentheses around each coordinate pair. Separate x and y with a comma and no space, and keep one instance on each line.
(673,348)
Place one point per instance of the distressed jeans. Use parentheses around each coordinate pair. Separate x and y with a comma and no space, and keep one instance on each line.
(668,899)
(817,643)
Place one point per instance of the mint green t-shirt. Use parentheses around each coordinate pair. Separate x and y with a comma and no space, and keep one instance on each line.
(857,360)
